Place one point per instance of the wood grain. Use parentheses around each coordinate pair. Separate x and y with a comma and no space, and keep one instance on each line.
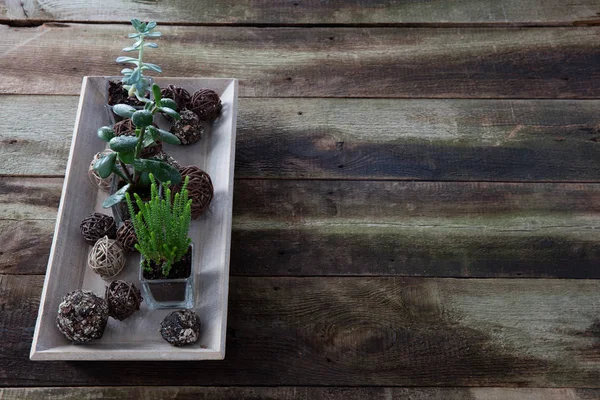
(294,393)
(305,11)
(292,228)
(396,139)
(357,331)
(321,62)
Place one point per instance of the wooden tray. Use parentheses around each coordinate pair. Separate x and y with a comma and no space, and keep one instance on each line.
(138,337)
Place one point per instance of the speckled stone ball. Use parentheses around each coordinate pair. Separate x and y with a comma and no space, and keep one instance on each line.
(181,328)
(188,129)
(123,299)
(82,316)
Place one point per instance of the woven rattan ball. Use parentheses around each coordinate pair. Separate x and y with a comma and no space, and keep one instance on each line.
(179,95)
(127,128)
(102,184)
(123,299)
(107,258)
(188,129)
(200,189)
(126,236)
(97,225)
(206,104)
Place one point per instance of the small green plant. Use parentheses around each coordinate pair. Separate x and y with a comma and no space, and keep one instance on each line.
(162,225)
(134,80)
(127,150)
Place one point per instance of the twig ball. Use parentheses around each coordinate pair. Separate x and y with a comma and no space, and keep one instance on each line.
(106,258)
(206,104)
(178,95)
(97,181)
(127,128)
(181,328)
(123,299)
(126,236)
(200,189)
(82,316)
(97,225)
(188,129)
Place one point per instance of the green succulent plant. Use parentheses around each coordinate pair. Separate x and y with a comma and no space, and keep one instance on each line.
(126,160)
(162,225)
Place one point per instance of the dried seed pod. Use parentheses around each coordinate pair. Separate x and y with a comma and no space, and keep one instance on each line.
(123,299)
(180,328)
(82,316)
(97,181)
(96,226)
(106,258)
(188,129)
(126,236)
(206,104)
(178,95)
(200,189)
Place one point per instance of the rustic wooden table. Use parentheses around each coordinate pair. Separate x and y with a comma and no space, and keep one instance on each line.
(392,157)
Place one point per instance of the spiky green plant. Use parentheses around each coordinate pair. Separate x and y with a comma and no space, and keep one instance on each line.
(162,225)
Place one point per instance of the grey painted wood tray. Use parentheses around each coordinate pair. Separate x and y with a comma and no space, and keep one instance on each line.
(138,338)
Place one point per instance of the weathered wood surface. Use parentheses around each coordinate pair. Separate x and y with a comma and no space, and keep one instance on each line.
(293,393)
(308,228)
(357,331)
(489,140)
(321,62)
(306,11)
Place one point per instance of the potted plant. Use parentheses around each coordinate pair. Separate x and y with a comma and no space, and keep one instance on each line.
(161,227)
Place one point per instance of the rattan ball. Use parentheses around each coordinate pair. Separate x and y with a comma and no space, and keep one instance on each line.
(107,258)
(206,104)
(126,236)
(96,226)
(124,127)
(200,189)
(178,95)
(188,129)
(102,184)
(123,299)
(82,316)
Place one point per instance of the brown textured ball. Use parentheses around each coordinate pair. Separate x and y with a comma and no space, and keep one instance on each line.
(123,299)
(206,104)
(200,189)
(124,127)
(178,95)
(96,226)
(95,179)
(106,258)
(181,328)
(126,236)
(188,129)
(82,316)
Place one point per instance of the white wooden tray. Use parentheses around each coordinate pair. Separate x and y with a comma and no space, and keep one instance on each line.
(138,337)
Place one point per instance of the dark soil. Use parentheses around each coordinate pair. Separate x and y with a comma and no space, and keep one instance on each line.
(118,95)
(180,270)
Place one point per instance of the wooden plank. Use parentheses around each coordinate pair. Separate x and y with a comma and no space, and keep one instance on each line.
(306,11)
(294,393)
(490,140)
(309,228)
(357,332)
(321,62)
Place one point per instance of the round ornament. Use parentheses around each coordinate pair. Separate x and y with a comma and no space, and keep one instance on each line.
(82,316)
(206,104)
(181,328)
(106,258)
(123,299)
(97,225)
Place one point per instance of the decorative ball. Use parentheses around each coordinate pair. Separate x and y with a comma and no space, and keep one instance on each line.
(82,316)
(123,299)
(102,184)
(107,258)
(180,328)
(200,189)
(188,129)
(124,127)
(179,95)
(206,104)
(163,156)
(96,226)
(126,236)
